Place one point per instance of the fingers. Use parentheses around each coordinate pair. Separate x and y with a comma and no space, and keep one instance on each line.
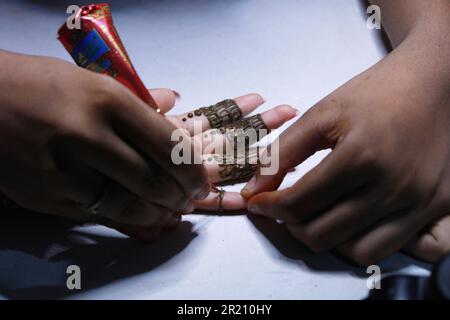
(433,244)
(164,98)
(80,185)
(276,117)
(249,102)
(339,224)
(150,134)
(122,164)
(240,168)
(244,162)
(384,239)
(231,201)
(123,207)
(314,131)
(246,104)
(143,224)
(333,177)
(273,119)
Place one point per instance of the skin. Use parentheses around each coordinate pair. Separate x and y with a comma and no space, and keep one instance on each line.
(65,131)
(386,183)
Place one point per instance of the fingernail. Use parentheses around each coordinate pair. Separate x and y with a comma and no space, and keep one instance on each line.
(202,194)
(177,95)
(254,209)
(297,112)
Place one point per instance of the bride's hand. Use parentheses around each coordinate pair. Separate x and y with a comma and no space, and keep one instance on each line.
(223,174)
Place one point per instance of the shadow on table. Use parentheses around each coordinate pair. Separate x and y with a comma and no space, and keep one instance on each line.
(289,247)
(36,249)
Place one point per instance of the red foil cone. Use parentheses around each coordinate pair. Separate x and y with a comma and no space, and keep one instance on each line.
(97,46)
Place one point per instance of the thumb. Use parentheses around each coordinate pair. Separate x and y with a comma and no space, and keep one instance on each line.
(311,133)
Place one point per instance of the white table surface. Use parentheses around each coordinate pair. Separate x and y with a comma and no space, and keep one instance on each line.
(290,51)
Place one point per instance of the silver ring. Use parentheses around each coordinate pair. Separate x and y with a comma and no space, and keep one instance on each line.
(95,207)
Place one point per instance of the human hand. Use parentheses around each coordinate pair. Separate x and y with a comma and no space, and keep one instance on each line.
(388,174)
(67,133)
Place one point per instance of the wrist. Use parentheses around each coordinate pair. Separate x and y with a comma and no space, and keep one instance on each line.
(426,50)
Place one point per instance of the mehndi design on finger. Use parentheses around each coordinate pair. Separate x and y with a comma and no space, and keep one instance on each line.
(240,167)
(252,129)
(221,114)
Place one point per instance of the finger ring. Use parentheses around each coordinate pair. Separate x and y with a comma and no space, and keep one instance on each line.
(94,208)
(221,194)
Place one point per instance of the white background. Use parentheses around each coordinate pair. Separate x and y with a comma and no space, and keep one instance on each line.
(290,51)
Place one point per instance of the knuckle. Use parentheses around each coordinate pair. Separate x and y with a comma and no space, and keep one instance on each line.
(73,134)
(159,189)
(330,107)
(326,119)
(105,91)
(368,161)
(366,156)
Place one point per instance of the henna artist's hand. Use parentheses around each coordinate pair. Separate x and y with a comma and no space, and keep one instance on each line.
(67,133)
(388,175)
(75,132)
